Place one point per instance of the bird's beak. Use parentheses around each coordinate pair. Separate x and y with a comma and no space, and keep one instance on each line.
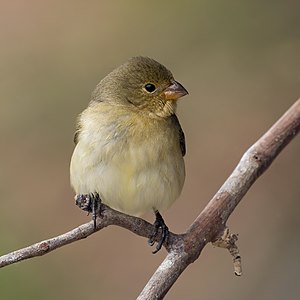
(175,91)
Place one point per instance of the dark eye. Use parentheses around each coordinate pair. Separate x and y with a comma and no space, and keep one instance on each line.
(149,87)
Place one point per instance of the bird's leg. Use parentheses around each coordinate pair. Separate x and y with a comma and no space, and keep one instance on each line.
(159,223)
(90,203)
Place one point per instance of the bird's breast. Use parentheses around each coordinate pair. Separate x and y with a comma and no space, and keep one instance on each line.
(133,162)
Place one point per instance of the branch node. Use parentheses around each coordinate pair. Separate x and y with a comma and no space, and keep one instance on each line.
(228,241)
(44,246)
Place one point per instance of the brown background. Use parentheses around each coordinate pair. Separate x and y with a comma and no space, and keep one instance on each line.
(240,62)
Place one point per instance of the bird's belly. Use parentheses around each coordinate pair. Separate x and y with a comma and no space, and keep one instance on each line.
(133,181)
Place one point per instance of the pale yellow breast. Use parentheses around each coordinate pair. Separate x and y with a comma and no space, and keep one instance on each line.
(132,161)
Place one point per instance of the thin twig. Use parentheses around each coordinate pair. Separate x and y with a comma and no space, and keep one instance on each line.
(108,217)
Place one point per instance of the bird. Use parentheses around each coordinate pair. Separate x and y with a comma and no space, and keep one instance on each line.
(129,144)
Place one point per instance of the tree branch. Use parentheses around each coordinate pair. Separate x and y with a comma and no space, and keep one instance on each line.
(108,217)
(209,226)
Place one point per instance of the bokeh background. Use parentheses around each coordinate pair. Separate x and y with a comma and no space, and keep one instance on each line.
(240,61)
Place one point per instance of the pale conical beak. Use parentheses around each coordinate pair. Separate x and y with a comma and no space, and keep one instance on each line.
(175,91)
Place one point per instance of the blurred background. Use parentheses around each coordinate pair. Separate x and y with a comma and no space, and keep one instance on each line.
(240,61)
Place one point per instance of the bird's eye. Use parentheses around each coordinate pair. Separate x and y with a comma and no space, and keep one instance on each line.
(149,87)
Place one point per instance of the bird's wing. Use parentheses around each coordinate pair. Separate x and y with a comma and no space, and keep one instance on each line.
(181,134)
(75,139)
(77,132)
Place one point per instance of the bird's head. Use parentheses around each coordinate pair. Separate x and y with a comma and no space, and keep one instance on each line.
(143,83)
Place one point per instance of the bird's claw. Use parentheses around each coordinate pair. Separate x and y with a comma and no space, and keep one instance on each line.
(159,224)
(90,203)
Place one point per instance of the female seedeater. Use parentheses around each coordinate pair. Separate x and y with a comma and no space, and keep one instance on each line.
(129,143)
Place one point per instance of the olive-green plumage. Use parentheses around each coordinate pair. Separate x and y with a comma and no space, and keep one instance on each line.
(129,143)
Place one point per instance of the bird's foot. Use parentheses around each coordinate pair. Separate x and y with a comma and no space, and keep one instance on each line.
(159,223)
(90,203)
